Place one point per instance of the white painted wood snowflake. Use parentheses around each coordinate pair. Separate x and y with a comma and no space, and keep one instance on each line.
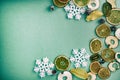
(79,57)
(73,11)
(43,67)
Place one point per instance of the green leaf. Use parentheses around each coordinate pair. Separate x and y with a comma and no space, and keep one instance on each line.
(106,8)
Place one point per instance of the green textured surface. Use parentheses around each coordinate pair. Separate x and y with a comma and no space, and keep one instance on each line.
(28,30)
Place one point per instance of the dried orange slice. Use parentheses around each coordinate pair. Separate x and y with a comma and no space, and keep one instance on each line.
(103,30)
(108,55)
(95,45)
(104,73)
(64,1)
(62,63)
(80,3)
(114,17)
(95,67)
(58,3)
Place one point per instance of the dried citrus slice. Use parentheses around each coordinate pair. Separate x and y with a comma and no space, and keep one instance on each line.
(91,76)
(62,63)
(103,30)
(113,66)
(95,45)
(109,42)
(80,73)
(66,74)
(108,55)
(117,56)
(63,1)
(58,3)
(114,17)
(95,67)
(80,3)
(104,73)
(117,33)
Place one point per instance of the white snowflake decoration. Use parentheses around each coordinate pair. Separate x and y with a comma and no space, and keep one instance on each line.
(80,57)
(73,11)
(43,67)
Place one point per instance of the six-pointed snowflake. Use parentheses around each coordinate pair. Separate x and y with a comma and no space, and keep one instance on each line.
(73,11)
(43,67)
(80,57)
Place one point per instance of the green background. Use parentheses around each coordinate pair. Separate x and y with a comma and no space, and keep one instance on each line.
(28,30)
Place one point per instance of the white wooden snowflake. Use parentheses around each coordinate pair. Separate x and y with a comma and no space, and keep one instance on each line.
(79,57)
(73,11)
(43,67)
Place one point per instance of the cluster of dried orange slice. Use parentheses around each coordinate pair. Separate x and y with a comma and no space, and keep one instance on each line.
(102,55)
(103,31)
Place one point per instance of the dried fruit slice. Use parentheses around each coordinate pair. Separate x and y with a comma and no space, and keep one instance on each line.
(113,66)
(80,73)
(95,45)
(91,76)
(108,55)
(117,33)
(104,73)
(94,15)
(62,63)
(109,42)
(80,3)
(58,3)
(64,1)
(114,17)
(66,74)
(117,56)
(95,67)
(103,30)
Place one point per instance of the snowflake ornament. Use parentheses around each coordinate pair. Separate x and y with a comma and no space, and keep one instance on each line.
(79,57)
(43,67)
(73,11)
